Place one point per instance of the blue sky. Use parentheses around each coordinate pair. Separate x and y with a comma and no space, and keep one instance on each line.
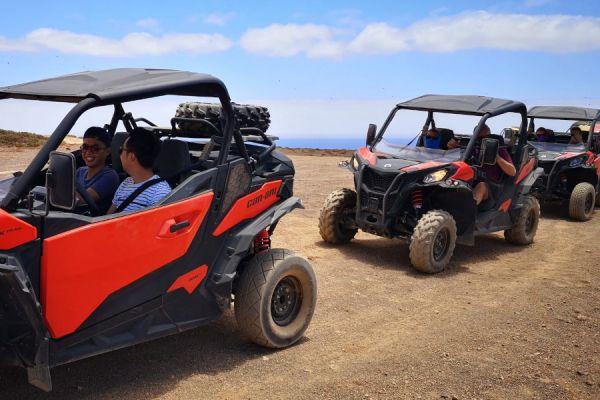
(353,59)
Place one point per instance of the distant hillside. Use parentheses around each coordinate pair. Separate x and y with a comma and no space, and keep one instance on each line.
(20,139)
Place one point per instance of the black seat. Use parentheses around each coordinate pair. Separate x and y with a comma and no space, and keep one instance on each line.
(174,157)
(117,141)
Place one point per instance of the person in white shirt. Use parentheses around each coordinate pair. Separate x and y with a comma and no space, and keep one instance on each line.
(137,154)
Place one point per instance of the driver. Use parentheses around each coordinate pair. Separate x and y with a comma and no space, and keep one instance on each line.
(98,180)
(493,173)
(542,135)
(138,153)
(576,136)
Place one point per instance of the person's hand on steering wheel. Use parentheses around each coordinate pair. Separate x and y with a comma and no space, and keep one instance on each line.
(84,194)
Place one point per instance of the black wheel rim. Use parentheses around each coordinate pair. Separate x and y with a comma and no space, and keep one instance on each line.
(286,301)
(441,244)
(589,203)
(530,222)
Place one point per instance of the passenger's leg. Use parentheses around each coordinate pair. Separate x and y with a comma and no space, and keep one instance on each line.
(480,192)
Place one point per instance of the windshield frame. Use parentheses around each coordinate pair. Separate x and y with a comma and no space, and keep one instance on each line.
(476,132)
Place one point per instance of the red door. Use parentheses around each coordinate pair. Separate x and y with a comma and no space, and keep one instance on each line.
(82,267)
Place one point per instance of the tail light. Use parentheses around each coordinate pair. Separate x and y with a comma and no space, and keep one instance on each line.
(262,241)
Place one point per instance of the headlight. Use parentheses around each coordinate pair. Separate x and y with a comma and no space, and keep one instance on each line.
(576,162)
(435,176)
(355,163)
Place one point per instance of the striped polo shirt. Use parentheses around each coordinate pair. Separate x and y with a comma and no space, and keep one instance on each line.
(148,197)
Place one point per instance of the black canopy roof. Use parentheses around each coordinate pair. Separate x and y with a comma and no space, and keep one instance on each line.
(564,113)
(470,105)
(116,85)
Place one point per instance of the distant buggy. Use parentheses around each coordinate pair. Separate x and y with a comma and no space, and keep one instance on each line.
(571,171)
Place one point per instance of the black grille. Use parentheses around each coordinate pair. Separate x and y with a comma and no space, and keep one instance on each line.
(377,181)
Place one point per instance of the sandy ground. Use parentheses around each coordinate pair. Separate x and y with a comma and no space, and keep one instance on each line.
(503,322)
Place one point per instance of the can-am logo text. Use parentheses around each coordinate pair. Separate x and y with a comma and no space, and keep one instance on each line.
(263,196)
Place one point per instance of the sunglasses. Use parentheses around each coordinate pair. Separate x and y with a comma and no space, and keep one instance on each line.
(94,148)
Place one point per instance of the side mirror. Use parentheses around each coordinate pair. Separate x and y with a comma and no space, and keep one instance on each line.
(60,180)
(489,151)
(371,134)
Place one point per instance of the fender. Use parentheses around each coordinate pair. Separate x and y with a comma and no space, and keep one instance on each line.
(237,245)
(524,186)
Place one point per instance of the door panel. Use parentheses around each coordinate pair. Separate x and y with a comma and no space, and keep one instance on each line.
(82,267)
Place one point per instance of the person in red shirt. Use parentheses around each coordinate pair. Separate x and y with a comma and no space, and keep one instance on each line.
(504,164)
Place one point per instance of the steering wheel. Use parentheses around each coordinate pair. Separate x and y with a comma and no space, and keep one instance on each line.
(94,210)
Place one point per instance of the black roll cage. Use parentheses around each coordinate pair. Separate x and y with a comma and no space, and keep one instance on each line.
(515,107)
(593,122)
(24,183)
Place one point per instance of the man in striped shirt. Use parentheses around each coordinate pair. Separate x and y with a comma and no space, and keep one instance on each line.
(137,154)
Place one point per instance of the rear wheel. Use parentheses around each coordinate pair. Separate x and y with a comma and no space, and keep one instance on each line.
(525,227)
(433,242)
(336,221)
(275,298)
(581,204)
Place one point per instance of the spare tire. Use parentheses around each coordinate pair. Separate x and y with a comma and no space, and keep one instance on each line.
(246,115)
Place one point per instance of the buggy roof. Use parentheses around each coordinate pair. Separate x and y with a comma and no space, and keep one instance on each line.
(564,113)
(470,105)
(115,85)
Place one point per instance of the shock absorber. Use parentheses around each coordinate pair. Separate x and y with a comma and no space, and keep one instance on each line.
(417,199)
(262,241)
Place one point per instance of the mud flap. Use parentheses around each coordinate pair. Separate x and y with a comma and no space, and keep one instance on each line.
(39,375)
(24,332)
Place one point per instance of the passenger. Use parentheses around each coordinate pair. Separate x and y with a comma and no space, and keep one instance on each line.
(576,136)
(137,154)
(435,140)
(493,173)
(99,180)
(542,135)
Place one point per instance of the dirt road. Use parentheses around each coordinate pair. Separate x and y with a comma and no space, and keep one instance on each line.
(503,322)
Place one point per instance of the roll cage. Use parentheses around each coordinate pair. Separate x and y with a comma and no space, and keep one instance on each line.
(114,87)
(485,107)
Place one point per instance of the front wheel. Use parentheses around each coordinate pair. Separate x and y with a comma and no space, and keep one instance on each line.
(275,298)
(337,219)
(581,203)
(433,241)
(525,227)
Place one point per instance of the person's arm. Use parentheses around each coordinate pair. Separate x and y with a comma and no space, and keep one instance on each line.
(505,163)
(93,194)
(452,144)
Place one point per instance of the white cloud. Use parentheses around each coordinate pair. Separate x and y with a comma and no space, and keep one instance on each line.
(379,38)
(218,19)
(134,44)
(549,33)
(473,30)
(292,39)
(148,23)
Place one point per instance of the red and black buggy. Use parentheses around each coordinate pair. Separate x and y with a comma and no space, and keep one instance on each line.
(425,196)
(75,284)
(571,170)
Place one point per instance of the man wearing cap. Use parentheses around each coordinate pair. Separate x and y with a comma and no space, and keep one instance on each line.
(99,180)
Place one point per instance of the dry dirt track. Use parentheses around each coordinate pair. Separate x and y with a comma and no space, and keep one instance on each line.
(502,323)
